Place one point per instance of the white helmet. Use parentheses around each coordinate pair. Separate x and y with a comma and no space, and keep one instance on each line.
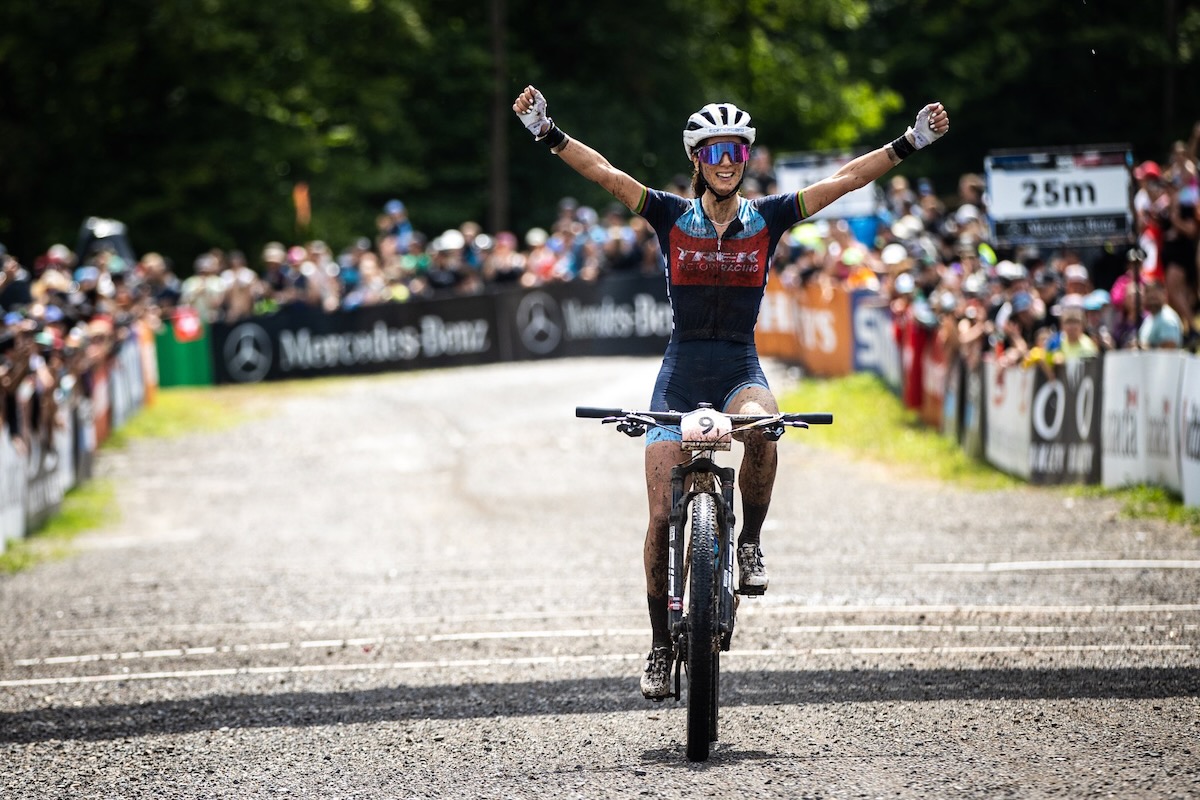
(716,119)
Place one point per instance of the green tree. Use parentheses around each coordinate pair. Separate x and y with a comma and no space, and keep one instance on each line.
(191,120)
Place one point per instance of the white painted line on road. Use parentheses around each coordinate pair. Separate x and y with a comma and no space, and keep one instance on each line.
(784,605)
(76,680)
(1040,566)
(1022,629)
(598,633)
(983,650)
(140,654)
(333,644)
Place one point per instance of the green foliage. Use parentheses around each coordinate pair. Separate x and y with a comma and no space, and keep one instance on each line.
(1151,502)
(870,422)
(85,508)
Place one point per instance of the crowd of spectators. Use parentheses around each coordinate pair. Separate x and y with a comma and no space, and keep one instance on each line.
(928,254)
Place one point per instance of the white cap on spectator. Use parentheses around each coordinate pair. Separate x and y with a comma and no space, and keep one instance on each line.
(1011,271)
(895,253)
(453,239)
(907,227)
(1076,272)
(966,213)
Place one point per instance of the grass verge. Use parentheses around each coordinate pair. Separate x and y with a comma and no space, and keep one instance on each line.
(87,507)
(871,423)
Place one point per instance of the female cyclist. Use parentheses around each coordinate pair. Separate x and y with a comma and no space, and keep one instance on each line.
(718,249)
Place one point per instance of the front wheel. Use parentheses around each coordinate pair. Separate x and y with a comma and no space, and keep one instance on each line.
(703,640)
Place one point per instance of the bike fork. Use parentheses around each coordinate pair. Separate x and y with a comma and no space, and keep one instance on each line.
(676,551)
(728,602)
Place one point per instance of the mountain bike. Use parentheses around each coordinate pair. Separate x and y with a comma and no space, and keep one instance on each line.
(700,566)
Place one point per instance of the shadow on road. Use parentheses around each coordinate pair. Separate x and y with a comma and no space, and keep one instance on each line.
(584,696)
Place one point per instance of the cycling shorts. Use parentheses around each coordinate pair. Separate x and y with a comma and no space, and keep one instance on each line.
(702,371)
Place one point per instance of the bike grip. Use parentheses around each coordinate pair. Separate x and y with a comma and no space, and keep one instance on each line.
(587,412)
(820,418)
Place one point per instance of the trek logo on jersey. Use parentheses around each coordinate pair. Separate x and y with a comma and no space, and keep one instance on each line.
(739,262)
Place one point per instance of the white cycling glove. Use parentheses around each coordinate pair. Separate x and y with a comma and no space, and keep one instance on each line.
(536,118)
(919,135)
(922,133)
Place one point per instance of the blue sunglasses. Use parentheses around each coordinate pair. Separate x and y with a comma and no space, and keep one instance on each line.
(711,153)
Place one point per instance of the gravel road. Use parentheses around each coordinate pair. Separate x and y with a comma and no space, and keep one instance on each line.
(429,585)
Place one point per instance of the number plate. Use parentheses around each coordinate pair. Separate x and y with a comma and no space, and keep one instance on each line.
(706,429)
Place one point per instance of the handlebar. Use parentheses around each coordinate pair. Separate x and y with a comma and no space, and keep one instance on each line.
(674,417)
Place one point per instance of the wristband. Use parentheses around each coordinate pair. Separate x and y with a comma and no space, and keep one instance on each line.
(552,138)
(903,147)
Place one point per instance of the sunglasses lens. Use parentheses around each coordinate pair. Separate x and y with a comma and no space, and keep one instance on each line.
(712,153)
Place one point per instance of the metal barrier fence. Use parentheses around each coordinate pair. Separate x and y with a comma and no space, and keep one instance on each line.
(43,456)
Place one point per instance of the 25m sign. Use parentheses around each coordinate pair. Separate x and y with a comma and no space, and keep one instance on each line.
(1067,197)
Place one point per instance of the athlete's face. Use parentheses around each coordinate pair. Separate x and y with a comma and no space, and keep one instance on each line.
(725,175)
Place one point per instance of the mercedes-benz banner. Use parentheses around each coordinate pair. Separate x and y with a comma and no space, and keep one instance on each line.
(616,316)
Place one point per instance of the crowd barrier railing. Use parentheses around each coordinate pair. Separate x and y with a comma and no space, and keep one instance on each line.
(1130,417)
(42,457)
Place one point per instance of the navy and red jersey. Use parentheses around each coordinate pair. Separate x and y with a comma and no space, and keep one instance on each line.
(715,283)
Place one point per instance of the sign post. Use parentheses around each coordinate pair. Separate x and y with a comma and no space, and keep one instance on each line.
(1061,197)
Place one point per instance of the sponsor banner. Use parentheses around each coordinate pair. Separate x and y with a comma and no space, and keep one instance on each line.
(776,334)
(44,482)
(1064,196)
(1140,434)
(302,342)
(64,437)
(912,336)
(824,330)
(952,401)
(974,412)
(615,316)
(1162,373)
(125,383)
(12,489)
(1189,432)
(812,326)
(1066,415)
(1008,436)
(796,171)
(934,372)
(875,347)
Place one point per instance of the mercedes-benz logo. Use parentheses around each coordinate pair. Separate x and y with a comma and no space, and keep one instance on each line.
(248,353)
(538,319)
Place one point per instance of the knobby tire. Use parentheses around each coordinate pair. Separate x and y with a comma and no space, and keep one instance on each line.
(703,640)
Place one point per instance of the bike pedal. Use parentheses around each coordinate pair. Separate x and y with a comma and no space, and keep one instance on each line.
(752,591)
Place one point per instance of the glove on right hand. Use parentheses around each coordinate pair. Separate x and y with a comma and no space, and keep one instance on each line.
(922,134)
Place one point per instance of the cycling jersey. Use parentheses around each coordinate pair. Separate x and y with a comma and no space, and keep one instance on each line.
(715,284)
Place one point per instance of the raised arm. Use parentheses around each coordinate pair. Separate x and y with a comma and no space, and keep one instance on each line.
(530,106)
(932,123)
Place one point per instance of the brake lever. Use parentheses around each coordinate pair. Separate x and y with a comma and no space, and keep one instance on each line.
(632,429)
(772,433)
